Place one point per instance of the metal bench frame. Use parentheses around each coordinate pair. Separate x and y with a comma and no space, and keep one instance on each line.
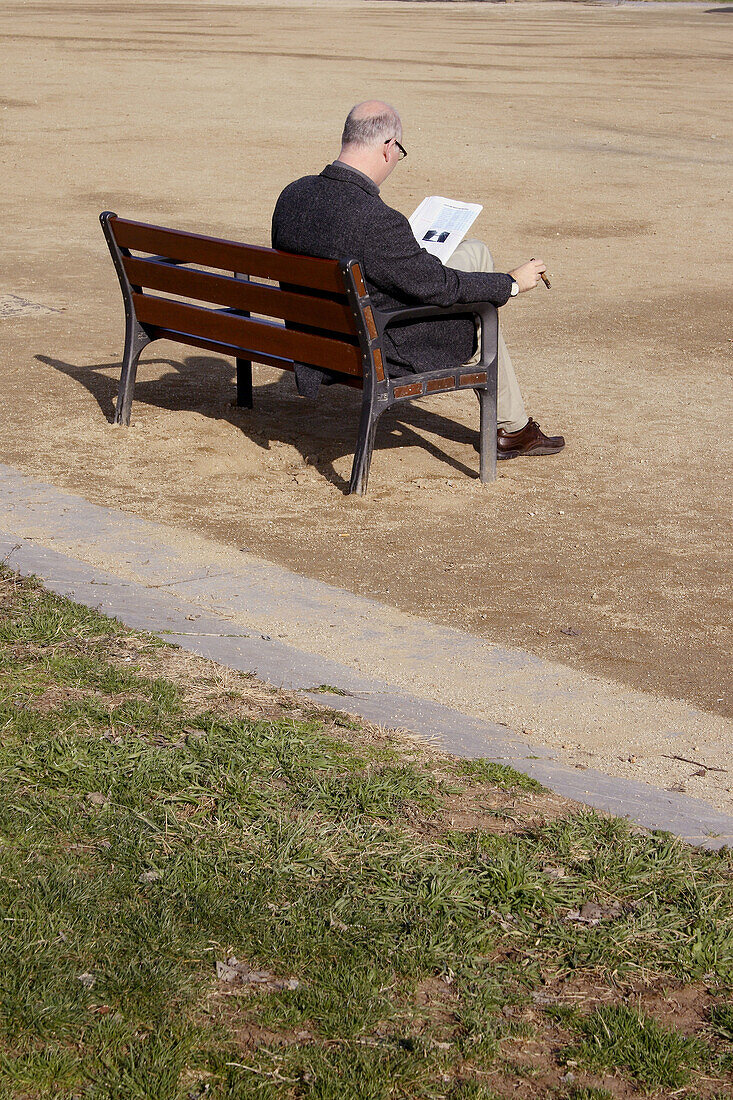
(339,328)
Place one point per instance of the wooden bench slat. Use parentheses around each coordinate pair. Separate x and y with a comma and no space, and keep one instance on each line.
(225,290)
(265,263)
(242,353)
(227,328)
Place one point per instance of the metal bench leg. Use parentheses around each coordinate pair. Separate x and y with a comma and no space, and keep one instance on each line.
(487,435)
(136,339)
(244,384)
(364,446)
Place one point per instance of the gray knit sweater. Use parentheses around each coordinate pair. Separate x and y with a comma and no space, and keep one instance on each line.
(339,215)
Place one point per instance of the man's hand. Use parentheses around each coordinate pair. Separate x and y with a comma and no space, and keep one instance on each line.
(528,275)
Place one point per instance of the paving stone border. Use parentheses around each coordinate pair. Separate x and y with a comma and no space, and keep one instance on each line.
(283,665)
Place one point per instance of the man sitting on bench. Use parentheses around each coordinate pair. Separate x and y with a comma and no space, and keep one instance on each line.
(339,215)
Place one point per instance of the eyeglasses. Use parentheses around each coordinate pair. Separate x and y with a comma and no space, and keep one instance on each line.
(401,148)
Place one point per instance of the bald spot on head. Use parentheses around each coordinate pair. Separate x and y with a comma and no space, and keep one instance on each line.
(370,108)
(371,123)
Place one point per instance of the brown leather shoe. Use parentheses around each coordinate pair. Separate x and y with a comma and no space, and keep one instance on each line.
(529,440)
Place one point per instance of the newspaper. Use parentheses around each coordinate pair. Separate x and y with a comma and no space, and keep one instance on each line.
(441,224)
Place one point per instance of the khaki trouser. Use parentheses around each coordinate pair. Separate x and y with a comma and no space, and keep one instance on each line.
(473,255)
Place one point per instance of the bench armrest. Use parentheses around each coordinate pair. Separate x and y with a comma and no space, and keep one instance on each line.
(485,311)
(419,313)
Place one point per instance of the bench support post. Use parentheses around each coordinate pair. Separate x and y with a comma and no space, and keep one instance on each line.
(364,447)
(487,396)
(244,366)
(136,339)
(375,390)
(244,384)
(487,435)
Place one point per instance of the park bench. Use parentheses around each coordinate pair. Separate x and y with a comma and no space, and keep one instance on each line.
(262,305)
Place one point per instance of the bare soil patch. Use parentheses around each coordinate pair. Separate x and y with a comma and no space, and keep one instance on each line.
(597,138)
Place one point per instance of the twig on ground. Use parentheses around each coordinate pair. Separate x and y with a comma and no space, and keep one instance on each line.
(686,760)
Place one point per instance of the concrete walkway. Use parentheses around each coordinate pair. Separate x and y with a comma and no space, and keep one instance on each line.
(397,670)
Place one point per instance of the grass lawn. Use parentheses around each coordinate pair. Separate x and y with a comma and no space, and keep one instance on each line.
(214,889)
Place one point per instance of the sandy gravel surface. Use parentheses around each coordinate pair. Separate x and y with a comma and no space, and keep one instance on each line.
(598,138)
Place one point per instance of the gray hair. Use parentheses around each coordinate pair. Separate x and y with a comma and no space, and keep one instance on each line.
(360,129)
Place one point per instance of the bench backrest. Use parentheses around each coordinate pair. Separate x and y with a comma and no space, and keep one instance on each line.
(324,303)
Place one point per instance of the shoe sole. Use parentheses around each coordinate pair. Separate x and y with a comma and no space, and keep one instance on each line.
(502,456)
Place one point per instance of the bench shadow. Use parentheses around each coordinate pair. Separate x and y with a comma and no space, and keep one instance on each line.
(322,431)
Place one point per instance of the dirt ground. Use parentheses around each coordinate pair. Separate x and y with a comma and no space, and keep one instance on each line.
(598,138)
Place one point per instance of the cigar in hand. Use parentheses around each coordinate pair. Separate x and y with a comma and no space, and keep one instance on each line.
(544,278)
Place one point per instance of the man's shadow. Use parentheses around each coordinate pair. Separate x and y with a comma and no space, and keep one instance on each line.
(321,431)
